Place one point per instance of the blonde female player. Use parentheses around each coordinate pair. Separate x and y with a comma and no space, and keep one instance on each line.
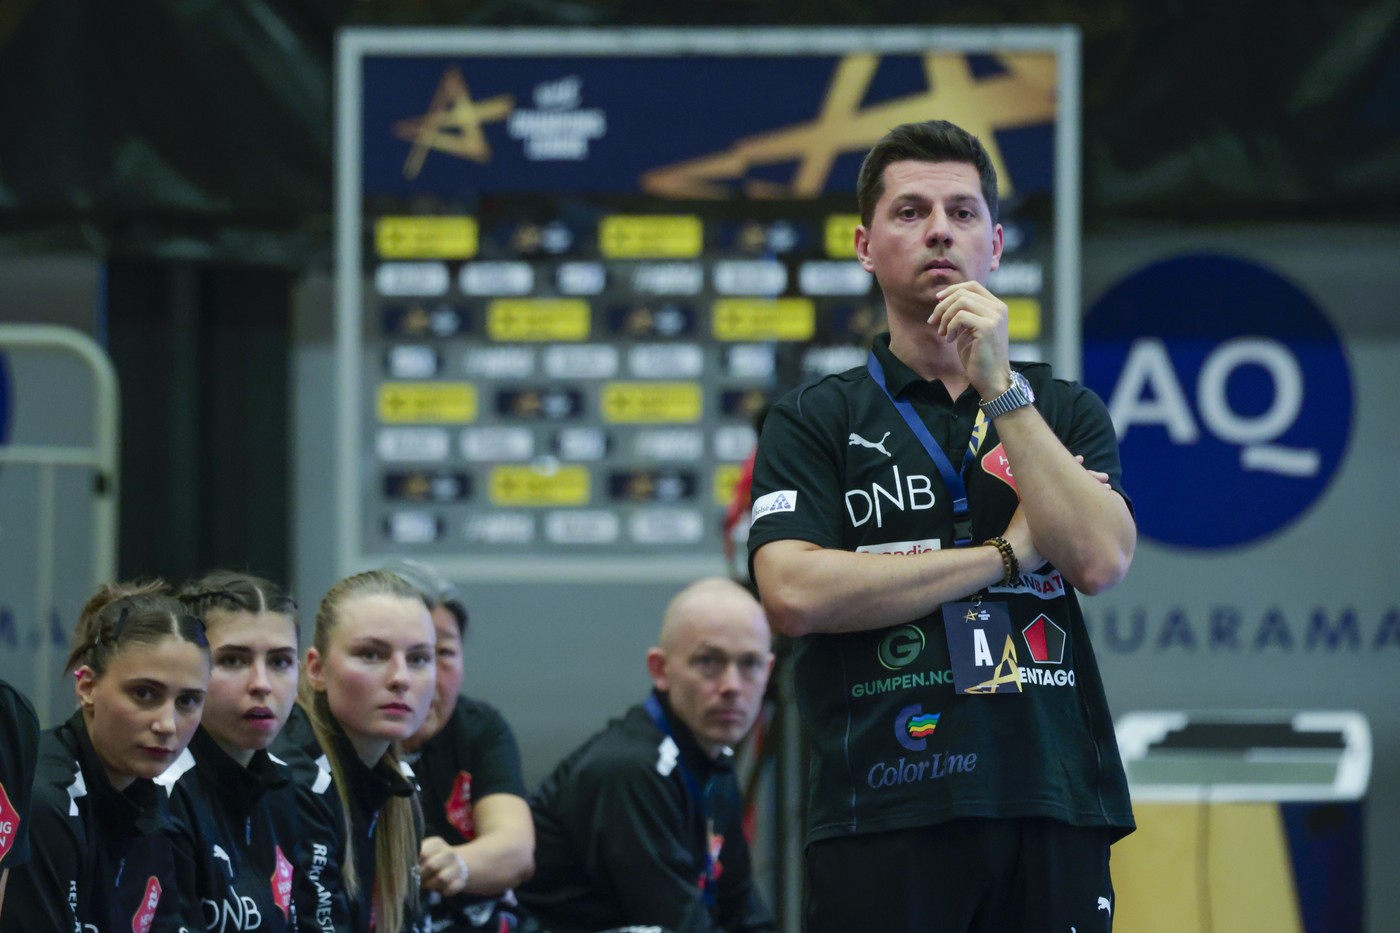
(368,683)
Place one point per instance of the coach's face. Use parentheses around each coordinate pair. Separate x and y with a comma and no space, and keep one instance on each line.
(930,228)
(715,668)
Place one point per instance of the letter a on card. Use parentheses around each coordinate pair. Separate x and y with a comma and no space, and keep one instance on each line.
(978,634)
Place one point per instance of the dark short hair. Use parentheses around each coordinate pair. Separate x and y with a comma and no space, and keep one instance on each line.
(434,589)
(930,141)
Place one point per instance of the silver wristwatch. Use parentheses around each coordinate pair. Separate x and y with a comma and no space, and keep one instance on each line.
(1017,396)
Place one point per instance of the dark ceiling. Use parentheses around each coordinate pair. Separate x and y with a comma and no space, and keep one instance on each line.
(204,126)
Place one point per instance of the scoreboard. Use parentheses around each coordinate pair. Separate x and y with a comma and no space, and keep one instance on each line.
(574,266)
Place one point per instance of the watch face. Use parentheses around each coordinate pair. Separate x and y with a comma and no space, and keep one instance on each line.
(1019,381)
(1018,394)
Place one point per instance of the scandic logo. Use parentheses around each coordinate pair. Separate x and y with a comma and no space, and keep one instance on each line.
(783,500)
(902,548)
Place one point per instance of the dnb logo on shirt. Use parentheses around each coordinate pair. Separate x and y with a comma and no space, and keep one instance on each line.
(1230,393)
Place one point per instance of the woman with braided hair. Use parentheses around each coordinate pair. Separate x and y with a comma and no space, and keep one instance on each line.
(102,858)
(234,803)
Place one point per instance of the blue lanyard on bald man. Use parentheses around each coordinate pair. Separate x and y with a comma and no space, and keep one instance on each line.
(700,796)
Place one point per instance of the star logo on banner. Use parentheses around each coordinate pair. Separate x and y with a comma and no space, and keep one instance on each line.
(1022,95)
(452,124)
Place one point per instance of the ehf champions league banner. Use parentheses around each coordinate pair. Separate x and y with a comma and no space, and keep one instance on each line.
(691,126)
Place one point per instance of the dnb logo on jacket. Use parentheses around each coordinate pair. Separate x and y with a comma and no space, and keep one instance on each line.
(459,806)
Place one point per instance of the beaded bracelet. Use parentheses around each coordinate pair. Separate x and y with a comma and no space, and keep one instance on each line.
(1009,562)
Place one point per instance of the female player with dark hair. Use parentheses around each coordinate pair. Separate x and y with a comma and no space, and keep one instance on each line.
(367,687)
(234,803)
(101,852)
(480,836)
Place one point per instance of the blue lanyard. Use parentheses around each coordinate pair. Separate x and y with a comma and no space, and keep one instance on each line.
(952,479)
(658,716)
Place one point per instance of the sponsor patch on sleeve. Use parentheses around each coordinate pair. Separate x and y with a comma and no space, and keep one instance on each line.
(902,547)
(784,500)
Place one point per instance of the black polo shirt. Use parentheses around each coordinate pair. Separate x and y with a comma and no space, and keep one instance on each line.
(473,756)
(893,745)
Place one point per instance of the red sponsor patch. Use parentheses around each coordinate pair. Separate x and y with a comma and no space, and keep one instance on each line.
(995,463)
(1046,640)
(9,824)
(282,884)
(146,914)
(459,806)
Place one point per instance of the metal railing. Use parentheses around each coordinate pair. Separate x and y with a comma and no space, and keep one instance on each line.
(100,457)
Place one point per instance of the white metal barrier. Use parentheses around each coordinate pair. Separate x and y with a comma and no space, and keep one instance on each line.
(100,457)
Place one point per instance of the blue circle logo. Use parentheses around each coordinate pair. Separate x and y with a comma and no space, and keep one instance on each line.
(1231,395)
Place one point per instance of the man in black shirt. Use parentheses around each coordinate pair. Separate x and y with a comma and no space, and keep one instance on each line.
(643,824)
(920,526)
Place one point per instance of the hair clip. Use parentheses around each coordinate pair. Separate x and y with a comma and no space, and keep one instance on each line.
(195,629)
(117,626)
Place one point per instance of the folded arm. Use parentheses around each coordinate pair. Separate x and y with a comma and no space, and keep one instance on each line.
(808,589)
(1078,524)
